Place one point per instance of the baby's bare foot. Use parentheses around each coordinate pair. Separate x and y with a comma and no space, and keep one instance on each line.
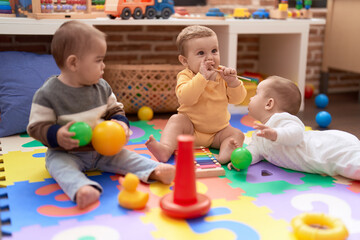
(86,196)
(160,151)
(164,173)
(227,149)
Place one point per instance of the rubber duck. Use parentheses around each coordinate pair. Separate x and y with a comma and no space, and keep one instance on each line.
(129,197)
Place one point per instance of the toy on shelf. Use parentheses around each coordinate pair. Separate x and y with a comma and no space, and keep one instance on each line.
(139,9)
(261,13)
(241,13)
(281,12)
(184,202)
(108,138)
(129,197)
(300,12)
(57,9)
(318,226)
(5,9)
(215,12)
(212,14)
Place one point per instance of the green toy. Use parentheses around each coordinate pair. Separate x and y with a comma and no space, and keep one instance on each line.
(241,158)
(83,132)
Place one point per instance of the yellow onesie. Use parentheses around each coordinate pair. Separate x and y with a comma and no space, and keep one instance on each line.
(206,103)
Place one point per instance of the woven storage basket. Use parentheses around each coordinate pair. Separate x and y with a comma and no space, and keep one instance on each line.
(144,85)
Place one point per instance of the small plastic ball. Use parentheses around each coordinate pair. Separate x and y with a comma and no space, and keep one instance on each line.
(108,138)
(241,158)
(145,113)
(309,91)
(323,119)
(83,132)
(321,100)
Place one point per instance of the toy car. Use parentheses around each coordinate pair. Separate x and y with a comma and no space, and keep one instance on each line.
(181,11)
(241,13)
(214,12)
(261,13)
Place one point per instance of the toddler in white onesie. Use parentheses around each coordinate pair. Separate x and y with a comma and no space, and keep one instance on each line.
(282,140)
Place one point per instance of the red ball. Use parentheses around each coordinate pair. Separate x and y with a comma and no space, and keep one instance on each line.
(309,91)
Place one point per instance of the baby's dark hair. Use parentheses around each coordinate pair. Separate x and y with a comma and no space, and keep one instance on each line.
(73,38)
(191,32)
(286,93)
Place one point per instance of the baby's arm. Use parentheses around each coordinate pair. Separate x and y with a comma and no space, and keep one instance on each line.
(207,70)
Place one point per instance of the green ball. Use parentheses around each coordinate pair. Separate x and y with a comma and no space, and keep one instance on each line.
(83,132)
(241,158)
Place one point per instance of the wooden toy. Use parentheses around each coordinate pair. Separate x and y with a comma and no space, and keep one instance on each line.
(184,201)
(6,9)
(139,9)
(57,9)
(129,197)
(241,13)
(108,138)
(206,164)
(281,12)
(318,226)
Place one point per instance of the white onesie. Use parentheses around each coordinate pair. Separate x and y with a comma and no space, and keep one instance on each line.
(330,152)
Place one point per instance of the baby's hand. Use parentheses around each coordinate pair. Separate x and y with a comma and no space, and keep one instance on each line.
(64,139)
(265,131)
(230,166)
(127,130)
(229,75)
(207,69)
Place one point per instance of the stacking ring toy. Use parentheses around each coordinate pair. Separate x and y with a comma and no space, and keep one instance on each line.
(318,226)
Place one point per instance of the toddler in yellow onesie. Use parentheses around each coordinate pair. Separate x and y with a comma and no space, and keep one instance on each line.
(204,89)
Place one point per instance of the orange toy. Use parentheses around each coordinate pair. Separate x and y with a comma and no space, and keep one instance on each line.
(129,197)
(108,138)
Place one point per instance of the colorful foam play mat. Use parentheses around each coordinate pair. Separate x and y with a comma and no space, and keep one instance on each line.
(260,202)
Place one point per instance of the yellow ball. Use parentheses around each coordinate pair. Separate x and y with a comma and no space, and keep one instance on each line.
(108,138)
(145,113)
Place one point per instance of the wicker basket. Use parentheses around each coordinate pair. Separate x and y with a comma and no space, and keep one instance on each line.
(144,85)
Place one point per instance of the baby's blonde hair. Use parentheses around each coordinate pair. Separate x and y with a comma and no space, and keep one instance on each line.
(73,38)
(286,93)
(191,32)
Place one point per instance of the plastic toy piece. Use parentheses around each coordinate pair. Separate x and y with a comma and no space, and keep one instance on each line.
(318,226)
(108,138)
(309,91)
(83,132)
(214,12)
(241,13)
(261,13)
(241,158)
(145,113)
(184,202)
(139,9)
(129,197)
(323,119)
(321,100)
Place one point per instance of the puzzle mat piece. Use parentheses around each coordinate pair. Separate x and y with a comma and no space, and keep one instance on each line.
(24,166)
(235,219)
(101,227)
(239,180)
(337,201)
(142,131)
(242,122)
(19,142)
(46,204)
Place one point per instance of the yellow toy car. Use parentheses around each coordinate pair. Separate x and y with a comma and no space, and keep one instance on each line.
(241,13)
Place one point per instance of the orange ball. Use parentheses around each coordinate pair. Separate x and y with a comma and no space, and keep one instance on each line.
(108,138)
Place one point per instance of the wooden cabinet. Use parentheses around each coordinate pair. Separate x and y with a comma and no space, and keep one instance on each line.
(342,39)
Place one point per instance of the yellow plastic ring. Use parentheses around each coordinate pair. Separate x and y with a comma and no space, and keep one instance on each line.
(318,226)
